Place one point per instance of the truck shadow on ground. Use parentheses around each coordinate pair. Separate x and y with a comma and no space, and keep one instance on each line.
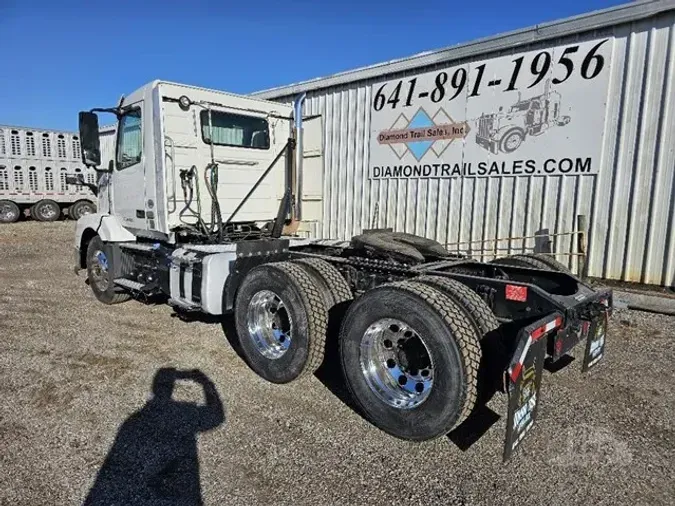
(154,457)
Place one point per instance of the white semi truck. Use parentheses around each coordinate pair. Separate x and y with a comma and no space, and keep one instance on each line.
(201,206)
(35,165)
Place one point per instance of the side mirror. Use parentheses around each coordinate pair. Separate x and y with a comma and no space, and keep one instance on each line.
(78,180)
(75,180)
(89,139)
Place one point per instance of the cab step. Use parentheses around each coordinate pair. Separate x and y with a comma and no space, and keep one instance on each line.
(150,288)
(130,284)
(137,246)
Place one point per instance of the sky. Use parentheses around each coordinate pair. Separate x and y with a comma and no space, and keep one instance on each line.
(59,57)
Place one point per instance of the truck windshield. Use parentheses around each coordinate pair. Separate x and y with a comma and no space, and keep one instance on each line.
(235,130)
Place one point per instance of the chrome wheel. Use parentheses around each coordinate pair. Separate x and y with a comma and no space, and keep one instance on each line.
(396,364)
(269,324)
(99,270)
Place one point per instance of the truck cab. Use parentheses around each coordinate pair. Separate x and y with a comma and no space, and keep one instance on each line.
(504,132)
(178,146)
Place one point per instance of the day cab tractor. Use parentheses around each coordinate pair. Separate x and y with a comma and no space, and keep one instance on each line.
(505,132)
(201,208)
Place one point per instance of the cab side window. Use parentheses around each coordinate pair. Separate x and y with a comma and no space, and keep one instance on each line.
(130,141)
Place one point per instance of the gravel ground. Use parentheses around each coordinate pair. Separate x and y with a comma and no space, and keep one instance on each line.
(76,378)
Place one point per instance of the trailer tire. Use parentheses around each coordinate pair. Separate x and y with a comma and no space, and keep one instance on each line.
(9,211)
(290,294)
(533,261)
(81,208)
(475,308)
(46,210)
(335,287)
(451,363)
(100,273)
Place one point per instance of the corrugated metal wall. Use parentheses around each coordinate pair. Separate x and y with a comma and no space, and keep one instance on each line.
(629,203)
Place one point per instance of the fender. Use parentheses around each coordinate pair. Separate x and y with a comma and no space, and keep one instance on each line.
(106,226)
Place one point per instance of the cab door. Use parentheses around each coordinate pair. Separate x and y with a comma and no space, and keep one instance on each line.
(128,176)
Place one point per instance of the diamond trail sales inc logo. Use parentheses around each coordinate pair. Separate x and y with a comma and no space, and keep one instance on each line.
(423,133)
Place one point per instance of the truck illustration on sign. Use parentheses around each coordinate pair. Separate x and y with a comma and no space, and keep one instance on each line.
(505,132)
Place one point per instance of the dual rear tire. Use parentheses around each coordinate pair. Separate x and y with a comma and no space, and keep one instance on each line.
(46,210)
(409,351)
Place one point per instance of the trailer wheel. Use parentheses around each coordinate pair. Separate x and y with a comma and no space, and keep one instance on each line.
(335,287)
(533,261)
(281,321)
(47,210)
(9,211)
(411,358)
(100,269)
(81,208)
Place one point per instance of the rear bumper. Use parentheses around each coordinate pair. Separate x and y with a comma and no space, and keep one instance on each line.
(579,323)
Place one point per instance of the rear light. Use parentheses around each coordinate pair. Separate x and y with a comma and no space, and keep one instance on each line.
(516,293)
(554,324)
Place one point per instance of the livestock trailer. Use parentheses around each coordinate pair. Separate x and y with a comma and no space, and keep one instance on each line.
(34,165)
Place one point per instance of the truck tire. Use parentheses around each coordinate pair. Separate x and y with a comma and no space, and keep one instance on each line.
(100,270)
(47,210)
(281,320)
(81,208)
(533,261)
(474,307)
(410,357)
(335,287)
(552,263)
(493,350)
(511,140)
(9,211)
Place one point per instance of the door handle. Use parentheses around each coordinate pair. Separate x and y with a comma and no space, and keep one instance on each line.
(238,162)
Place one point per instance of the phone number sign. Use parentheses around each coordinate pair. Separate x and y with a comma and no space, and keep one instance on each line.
(540,112)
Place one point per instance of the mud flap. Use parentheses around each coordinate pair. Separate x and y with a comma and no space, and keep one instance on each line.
(523,380)
(595,342)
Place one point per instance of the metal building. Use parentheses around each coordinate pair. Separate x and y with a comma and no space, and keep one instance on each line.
(506,135)
(34,164)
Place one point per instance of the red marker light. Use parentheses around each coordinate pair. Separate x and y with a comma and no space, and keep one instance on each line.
(516,293)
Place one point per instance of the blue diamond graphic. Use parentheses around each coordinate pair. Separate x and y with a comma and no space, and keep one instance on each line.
(419,148)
